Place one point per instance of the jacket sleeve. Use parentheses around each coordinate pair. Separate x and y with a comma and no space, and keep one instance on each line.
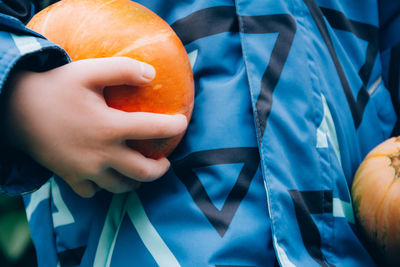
(22,48)
(389,19)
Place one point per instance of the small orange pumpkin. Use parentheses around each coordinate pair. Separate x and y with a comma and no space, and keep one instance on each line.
(376,200)
(107,28)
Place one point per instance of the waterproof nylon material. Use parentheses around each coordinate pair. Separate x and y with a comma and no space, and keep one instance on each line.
(288,101)
(216,167)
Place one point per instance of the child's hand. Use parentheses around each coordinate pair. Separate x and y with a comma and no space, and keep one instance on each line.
(60,118)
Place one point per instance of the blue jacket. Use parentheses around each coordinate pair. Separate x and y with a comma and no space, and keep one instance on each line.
(290,96)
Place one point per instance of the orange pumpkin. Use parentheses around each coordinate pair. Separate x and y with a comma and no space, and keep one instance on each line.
(376,199)
(104,28)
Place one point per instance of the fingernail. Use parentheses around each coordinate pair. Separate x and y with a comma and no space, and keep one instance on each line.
(181,117)
(148,72)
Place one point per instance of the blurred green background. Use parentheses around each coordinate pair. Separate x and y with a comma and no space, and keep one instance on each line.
(16,248)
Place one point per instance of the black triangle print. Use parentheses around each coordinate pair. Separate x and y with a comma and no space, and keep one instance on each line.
(220,219)
(213,179)
(215,20)
(367,32)
(71,257)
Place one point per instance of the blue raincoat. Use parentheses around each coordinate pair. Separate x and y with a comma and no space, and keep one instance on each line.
(290,96)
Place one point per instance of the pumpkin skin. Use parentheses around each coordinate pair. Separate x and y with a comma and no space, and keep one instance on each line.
(107,28)
(376,200)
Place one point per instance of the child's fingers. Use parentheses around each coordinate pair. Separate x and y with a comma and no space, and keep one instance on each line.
(140,125)
(134,165)
(85,188)
(112,71)
(114,182)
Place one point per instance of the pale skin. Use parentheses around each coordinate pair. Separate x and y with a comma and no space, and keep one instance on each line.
(60,119)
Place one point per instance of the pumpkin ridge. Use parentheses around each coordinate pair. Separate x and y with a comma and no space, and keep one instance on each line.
(378,210)
(88,18)
(376,155)
(45,23)
(395,163)
(144,41)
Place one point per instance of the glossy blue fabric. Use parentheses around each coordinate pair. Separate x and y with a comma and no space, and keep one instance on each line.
(290,97)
